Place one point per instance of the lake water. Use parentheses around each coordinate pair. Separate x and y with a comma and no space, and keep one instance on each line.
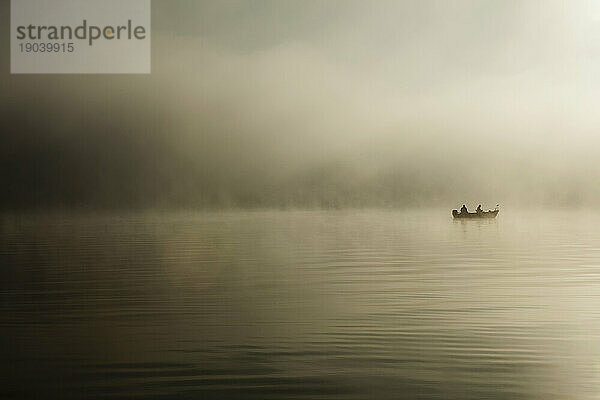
(300,305)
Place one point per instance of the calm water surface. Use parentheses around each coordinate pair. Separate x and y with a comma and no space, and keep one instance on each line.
(311,305)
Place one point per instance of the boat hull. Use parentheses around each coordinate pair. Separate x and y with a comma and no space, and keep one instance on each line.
(481,215)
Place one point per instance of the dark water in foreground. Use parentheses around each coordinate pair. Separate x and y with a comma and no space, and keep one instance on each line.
(312,305)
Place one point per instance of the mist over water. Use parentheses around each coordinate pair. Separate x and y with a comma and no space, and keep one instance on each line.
(300,305)
(267,214)
(320,105)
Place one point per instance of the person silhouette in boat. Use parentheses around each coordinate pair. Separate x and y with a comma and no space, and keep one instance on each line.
(463,210)
(479,210)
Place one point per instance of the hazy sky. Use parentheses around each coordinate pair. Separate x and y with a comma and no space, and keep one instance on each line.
(326,103)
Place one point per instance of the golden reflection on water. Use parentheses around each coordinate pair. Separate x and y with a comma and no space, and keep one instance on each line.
(345,304)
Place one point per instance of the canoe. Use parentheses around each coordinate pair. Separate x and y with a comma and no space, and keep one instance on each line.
(483,214)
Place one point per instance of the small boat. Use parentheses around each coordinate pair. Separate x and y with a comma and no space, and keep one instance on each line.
(482,214)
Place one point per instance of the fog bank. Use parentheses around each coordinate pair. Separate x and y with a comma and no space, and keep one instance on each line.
(320,104)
